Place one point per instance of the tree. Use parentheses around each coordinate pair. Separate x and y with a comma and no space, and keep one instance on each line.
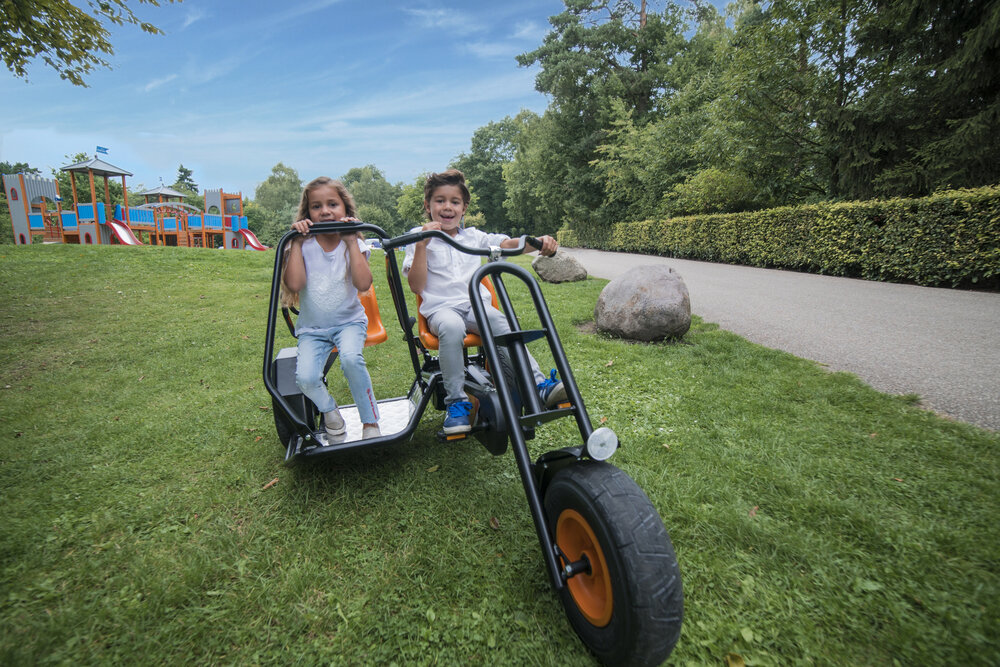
(537,191)
(932,102)
(185,181)
(372,191)
(493,146)
(280,190)
(597,51)
(410,203)
(275,204)
(68,39)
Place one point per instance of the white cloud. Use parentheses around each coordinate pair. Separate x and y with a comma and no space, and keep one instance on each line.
(530,30)
(301,9)
(445,19)
(196,14)
(492,50)
(156,83)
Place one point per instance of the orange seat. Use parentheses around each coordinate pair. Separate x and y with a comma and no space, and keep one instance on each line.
(430,341)
(376,330)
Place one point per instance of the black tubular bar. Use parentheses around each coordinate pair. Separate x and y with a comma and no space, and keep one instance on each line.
(522,369)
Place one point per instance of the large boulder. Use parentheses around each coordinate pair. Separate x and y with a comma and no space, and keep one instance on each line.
(646,303)
(560,268)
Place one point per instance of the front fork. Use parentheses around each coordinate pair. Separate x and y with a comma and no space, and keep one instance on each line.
(534,477)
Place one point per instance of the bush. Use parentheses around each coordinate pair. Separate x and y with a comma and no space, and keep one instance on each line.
(567,237)
(950,238)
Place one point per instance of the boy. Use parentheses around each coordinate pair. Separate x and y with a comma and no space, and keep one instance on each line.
(440,275)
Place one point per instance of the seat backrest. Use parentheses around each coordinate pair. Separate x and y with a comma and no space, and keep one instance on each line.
(430,341)
(376,330)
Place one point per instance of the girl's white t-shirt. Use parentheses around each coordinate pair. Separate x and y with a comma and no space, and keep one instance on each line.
(329,298)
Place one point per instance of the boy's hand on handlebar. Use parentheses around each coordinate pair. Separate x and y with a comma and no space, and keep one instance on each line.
(549,245)
(428,226)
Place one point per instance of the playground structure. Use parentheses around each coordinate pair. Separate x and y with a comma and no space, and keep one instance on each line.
(163,219)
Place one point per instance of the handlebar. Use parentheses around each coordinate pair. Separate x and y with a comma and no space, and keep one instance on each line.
(348,227)
(411,237)
(416,237)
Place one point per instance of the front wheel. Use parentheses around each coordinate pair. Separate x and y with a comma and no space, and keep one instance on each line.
(628,605)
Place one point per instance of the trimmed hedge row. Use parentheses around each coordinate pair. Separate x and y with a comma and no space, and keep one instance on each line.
(950,238)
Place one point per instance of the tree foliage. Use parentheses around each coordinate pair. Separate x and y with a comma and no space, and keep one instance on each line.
(275,204)
(375,196)
(67,38)
(493,146)
(185,180)
(779,102)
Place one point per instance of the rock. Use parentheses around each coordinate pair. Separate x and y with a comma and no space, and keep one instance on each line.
(646,303)
(560,268)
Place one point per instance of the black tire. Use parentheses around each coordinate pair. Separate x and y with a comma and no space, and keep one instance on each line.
(507,368)
(282,424)
(629,609)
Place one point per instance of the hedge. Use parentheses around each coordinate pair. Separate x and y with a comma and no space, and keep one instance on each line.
(949,238)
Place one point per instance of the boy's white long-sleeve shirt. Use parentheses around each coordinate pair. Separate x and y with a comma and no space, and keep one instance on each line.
(449,270)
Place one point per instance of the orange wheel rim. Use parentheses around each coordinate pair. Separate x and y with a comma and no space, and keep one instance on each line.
(591,592)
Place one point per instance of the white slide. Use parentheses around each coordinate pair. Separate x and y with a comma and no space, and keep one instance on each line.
(124,234)
(252,240)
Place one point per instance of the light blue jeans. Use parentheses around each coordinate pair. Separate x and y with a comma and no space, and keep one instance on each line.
(314,350)
(450,325)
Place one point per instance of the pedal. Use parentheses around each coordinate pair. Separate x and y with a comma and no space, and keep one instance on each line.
(451,437)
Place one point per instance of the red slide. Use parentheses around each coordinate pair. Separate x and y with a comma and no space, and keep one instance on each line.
(252,240)
(124,234)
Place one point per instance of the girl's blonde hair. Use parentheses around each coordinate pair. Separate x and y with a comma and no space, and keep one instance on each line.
(288,298)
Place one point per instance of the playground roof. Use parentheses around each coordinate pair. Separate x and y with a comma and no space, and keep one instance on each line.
(98,166)
(162,190)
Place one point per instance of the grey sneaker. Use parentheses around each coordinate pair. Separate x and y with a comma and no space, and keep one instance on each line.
(372,431)
(335,424)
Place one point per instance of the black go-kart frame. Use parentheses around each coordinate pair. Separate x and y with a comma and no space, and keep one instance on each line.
(604,545)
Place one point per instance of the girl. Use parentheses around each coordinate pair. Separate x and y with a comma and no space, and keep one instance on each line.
(324,273)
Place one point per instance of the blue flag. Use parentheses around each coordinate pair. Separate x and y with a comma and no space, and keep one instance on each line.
(102,149)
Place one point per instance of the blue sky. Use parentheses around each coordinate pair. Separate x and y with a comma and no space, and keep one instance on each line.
(236,86)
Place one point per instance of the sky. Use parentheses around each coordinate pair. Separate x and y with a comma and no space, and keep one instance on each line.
(236,86)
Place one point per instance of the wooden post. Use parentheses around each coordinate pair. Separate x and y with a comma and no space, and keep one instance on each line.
(125,195)
(76,200)
(93,206)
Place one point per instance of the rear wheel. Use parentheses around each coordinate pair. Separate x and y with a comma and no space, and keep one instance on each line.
(507,368)
(282,424)
(628,605)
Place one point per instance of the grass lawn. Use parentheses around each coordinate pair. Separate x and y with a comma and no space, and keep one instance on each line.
(816,521)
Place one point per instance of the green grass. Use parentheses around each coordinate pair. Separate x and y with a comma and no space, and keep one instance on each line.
(816,521)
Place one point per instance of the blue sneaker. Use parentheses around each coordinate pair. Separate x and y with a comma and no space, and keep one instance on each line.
(551,390)
(457,420)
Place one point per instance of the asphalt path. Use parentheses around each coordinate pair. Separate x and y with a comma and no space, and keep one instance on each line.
(942,344)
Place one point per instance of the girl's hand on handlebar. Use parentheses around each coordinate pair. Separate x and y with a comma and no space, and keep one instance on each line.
(302,226)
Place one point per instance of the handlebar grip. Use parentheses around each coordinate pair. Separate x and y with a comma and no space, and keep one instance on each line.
(535,243)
